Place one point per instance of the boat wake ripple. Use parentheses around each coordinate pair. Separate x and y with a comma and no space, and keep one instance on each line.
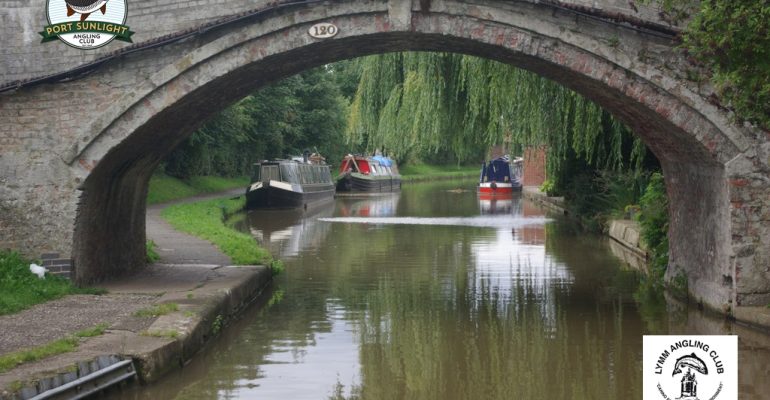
(483,221)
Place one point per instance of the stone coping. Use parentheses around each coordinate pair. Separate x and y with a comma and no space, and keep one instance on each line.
(207,296)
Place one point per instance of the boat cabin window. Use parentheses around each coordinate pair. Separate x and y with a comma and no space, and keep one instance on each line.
(303,174)
(316,174)
(289,173)
(517,169)
(327,175)
(270,172)
(255,169)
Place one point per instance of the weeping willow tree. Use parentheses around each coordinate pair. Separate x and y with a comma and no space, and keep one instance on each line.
(416,104)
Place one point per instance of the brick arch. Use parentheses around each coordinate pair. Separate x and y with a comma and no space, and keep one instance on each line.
(118,151)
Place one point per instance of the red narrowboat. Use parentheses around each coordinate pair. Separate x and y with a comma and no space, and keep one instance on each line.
(500,177)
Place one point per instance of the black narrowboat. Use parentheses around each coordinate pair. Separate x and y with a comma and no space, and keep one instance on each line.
(295,183)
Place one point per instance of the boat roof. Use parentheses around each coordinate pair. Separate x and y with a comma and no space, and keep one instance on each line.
(507,159)
(378,159)
(284,161)
(384,161)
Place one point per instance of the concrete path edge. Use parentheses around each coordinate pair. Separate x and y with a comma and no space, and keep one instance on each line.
(204,309)
(199,319)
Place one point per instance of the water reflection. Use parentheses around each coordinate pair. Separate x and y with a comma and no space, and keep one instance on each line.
(509,222)
(495,350)
(510,204)
(429,308)
(382,205)
(287,232)
(753,344)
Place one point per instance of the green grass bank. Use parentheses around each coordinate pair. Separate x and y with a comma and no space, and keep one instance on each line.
(422,172)
(165,188)
(205,219)
(21,289)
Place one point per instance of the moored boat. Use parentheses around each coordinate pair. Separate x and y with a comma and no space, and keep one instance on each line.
(368,174)
(500,177)
(290,183)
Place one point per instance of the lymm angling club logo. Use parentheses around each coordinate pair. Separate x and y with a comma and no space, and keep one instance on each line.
(698,367)
(86,24)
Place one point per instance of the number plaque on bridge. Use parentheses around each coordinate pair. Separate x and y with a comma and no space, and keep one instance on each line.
(323,30)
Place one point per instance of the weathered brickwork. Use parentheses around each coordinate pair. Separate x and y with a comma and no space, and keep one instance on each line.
(77,155)
(534,166)
(56,265)
(22,56)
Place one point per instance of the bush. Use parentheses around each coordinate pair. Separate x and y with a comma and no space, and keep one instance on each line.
(547,187)
(587,200)
(152,255)
(596,196)
(732,39)
(653,219)
(623,190)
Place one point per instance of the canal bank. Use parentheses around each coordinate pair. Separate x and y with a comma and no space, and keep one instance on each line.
(158,318)
(555,204)
(626,244)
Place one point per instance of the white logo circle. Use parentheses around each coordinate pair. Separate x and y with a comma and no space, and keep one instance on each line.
(82,23)
(695,367)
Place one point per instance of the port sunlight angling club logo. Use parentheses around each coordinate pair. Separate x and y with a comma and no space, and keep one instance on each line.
(702,367)
(86,24)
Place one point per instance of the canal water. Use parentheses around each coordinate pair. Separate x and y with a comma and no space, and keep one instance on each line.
(432,293)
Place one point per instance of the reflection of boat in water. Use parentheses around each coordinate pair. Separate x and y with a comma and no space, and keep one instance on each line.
(500,204)
(501,176)
(383,206)
(289,183)
(287,232)
(503,205)
(368,174)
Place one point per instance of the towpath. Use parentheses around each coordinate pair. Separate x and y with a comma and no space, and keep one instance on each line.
(179,248)
(192,273)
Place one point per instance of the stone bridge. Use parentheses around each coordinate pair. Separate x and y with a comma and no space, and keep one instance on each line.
(82,131)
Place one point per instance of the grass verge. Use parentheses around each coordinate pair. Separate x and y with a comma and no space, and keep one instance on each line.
(420,172)
(152,254)
(204,219)
(20,289)
(66,345)
(168,333)
(157,310)
(166,188)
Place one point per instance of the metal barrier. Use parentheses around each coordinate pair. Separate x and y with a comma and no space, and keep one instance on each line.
(91,383)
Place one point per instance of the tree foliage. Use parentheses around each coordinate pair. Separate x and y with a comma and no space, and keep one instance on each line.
(306,111)
(732,38)
(417,104)
(654,222)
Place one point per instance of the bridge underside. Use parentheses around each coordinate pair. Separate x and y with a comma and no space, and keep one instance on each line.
(73,174)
